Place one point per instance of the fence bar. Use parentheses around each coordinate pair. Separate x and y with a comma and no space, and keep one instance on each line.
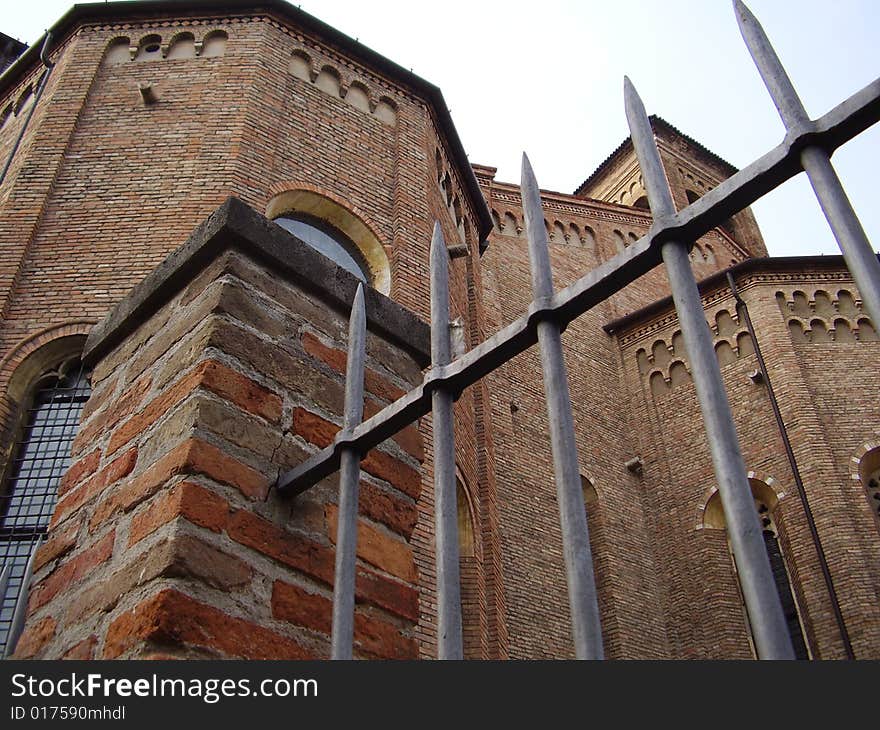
(586,626)
(759,589)
(449,640)
(860,258)
(342,636)
(839,125)
(18,615)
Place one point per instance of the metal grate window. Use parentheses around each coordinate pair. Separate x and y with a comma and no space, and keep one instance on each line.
(41,457)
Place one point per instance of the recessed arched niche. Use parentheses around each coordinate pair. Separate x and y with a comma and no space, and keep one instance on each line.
(300,66)
(358,97)
(182,45)
(386,111)
(214,44)
(328,81)
(149,48)
(118,52)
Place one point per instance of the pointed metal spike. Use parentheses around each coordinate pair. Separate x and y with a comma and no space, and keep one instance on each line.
(656,184)
(354,381)
(631,99)
(342,629)
(441,346)
(539,252)
(775,78)
(743,14)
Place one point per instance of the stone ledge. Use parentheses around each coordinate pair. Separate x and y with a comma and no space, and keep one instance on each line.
(236,226)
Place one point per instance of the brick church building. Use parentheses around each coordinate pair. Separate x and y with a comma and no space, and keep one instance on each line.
(191,192)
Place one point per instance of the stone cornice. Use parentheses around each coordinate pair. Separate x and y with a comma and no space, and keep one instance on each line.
(235,226)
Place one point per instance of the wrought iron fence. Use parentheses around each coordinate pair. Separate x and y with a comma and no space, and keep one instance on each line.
(807,146)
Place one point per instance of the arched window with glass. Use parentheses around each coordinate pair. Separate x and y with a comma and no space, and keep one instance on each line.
(327,240)
(40,457)
(766,502)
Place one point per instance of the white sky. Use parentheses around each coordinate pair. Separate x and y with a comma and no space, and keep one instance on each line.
(547,77)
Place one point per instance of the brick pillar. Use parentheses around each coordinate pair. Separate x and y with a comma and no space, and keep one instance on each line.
(222,369)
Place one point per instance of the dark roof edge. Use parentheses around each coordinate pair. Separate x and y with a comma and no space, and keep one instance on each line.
(719,278)
(655,122)
(99,11)
(235,226)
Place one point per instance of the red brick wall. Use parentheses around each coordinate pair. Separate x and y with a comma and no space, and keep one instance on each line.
(823,393)
(167,541)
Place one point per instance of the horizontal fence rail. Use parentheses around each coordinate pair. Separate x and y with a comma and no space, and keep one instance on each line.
(782,163)
(807,146)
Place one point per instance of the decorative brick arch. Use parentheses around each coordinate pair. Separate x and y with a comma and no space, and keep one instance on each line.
(857,461)
(863,463)
(349,219)
(24,363)
(753,476)
(585,477)
(27,346)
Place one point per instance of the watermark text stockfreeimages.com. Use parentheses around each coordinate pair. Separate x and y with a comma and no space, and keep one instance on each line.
(209,690)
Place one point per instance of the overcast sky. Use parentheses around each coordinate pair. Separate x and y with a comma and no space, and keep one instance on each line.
(547,77)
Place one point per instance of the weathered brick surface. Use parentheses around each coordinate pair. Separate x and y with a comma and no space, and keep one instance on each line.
(113,411)
(81,469)
(321,432)
(374,383)
(59,542)
(75,569)
(212,376)
(378,548)
(200,506)
(172,618)
(84,649)
(372,636)
(394,512)
(183,556)
(35,636)
(240,375)
(302,607)
(95,485)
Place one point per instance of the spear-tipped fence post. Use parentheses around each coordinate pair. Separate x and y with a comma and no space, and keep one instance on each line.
(449,641)
(342,636)
(759,589)
(585,622)
(861,260)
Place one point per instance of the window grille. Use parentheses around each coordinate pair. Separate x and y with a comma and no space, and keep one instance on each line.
(41,457)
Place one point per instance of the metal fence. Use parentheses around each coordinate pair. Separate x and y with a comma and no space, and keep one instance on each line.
(807,146)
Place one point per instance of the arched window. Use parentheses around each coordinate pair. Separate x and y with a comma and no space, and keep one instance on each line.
(40,459)
(600,554)
(868,474)
(469,576)
(766,501)
(329,224)
(327,240)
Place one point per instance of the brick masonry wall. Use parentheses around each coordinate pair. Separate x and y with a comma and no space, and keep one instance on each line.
(104,187)
(168,540)
(99,162)
(536,594)
(823,395)
(667,587)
